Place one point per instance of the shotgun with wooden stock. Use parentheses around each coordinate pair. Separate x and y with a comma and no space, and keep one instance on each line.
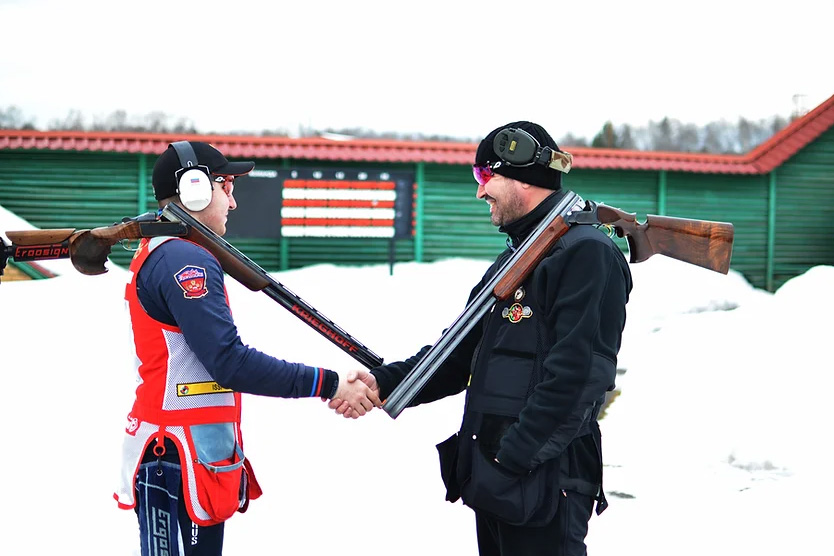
(88,251)
(700,242)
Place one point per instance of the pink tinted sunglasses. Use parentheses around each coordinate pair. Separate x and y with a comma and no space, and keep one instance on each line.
(482,173)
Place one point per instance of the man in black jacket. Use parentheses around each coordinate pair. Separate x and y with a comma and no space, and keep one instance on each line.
(527,458)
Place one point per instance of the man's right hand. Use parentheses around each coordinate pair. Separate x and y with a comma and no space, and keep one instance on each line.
(356,396)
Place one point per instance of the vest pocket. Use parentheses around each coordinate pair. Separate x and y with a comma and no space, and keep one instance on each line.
(448,452)
(514,499)
(507,369)
(509,375)
(219,485)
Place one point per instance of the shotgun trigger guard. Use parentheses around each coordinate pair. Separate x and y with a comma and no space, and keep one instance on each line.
(609,230)
(125,244)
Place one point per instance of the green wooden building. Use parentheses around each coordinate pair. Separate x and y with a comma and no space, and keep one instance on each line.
(780,196)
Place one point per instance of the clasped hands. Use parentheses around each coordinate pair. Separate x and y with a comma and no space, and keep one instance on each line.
(356,395)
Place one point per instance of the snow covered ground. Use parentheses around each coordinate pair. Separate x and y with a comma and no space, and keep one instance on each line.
(717,444)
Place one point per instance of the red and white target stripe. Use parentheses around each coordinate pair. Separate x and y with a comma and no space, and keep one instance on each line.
(338,208)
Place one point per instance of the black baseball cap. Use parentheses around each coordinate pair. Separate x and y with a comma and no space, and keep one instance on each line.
(168,164)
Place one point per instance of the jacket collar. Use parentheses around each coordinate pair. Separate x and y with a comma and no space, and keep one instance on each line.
(518,230)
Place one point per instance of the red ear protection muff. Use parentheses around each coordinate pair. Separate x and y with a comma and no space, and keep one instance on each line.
(193,180)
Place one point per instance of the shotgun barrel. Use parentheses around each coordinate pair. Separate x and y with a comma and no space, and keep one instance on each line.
(250,274)
(511,274)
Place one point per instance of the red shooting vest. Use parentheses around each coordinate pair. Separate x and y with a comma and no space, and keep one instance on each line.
(177,398)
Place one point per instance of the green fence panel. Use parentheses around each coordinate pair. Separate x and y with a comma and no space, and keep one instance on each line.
(805,210)
(53,189)
(80,189)
(739,199)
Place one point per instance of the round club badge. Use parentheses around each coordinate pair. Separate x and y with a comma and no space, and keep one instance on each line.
(515,312)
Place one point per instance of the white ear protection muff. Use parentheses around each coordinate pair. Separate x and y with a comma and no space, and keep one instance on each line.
(193,180)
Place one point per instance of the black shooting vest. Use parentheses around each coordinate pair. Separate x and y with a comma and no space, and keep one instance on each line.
(506,367)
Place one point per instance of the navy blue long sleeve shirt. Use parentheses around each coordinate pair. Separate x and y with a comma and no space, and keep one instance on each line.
(208,327)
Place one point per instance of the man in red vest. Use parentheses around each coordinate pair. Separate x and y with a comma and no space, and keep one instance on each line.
(184,469)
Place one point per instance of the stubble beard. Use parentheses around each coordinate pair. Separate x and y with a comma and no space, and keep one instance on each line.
(507,211)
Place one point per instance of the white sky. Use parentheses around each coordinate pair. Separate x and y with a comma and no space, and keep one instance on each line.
(720,434)
(436,67)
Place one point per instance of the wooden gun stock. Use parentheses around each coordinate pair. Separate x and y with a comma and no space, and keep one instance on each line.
(87,249)
(700,242)
(42,237)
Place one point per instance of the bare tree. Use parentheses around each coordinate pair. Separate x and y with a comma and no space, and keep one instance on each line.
(745,134)
(718,138)
(666,135)
(73,121)
(13,118)
(625,138)
(115,121)
(570,140)
(661,135)
(156,122)
(688,138)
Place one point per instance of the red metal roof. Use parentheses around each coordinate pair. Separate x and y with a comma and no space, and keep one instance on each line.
(762,159)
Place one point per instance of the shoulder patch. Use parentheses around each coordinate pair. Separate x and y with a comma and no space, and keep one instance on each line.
(192,280)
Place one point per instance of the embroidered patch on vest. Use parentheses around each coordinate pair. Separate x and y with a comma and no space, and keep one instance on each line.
(515,312)
(197,388)
(132,425)
(192,280)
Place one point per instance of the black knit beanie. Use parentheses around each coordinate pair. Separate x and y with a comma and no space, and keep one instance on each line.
(535,174)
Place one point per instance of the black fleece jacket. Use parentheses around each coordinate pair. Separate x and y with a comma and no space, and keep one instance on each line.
(577,296)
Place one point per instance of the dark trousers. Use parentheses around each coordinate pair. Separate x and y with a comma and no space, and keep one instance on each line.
(564,536)
(165,529)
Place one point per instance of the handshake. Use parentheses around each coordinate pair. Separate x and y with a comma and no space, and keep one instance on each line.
(356,395)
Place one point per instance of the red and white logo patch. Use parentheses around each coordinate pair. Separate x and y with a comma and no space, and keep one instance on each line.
(192,280)
(132,425)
